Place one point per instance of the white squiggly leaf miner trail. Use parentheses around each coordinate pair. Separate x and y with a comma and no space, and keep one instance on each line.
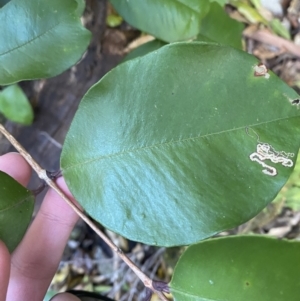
(265,151)
(268,170)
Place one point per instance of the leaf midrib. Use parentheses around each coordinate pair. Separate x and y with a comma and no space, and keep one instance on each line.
(171,142)
(182,292)
(33,39)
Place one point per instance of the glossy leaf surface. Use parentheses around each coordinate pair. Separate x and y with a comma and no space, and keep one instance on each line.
(45,38)
(238,268)
(219,27)
(16,208)
(14,105)
(159,150)
(167,20)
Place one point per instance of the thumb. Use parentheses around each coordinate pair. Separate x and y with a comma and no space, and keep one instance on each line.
(4,270)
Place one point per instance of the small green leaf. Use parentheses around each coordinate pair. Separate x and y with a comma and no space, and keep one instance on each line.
(16,208)
(144,49)
(45,38)
(279,29)
(159,149)
(113,20)
(219,27)
(238,268)
(15,106)
(256,3)
(167,20)
(249,12)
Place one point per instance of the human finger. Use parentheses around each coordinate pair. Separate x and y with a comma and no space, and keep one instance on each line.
(4,270)
(15,165)
(36,259)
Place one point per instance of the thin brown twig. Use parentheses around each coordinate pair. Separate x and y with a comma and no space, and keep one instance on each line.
(43,175)
(265,36)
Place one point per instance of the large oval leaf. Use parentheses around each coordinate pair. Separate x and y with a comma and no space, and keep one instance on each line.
(168,20)
(45,38)
(238,268)
(159,150)
(16,208)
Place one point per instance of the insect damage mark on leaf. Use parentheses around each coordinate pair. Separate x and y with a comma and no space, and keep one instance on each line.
(261,70)
(293,102)
(265,151)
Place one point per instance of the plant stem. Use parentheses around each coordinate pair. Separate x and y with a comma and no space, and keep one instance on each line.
(43,175)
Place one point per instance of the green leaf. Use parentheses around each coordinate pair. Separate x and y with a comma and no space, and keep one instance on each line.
(202,38)
(220,2)
(144,49)
(3,2)
(249,12)
(113,20)
(80,7)
(16,208)
(238,268)
(167,20)
(219,27)
(159,149)
(45,38)
(15,106)
(279,28)
(49,295)
(256,4)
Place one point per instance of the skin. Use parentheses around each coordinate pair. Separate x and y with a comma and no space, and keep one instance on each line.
(26,273)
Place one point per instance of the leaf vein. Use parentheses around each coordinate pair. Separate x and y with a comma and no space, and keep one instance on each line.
(169,143)
(180,291)
(17,204)
(31,40)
